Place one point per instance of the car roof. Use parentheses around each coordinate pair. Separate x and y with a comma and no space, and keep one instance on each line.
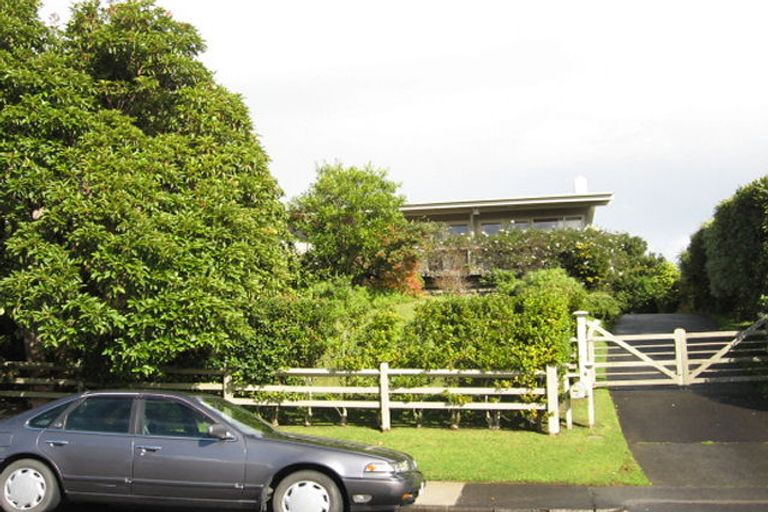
(141,392)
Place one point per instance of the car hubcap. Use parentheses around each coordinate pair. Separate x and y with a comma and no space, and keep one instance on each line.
(306,496)
(25,488)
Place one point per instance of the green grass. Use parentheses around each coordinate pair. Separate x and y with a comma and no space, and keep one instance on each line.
(581,456)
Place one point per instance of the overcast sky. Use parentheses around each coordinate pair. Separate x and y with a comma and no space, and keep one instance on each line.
(664,103)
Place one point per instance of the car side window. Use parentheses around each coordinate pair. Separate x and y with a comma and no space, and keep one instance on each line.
(174,419)
(101,414)
(45,419)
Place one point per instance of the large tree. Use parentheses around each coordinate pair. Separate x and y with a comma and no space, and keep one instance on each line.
(139,219)
(352,220)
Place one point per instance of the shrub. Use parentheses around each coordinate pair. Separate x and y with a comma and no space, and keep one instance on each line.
(524,331)
(602,305)
(694,281)
(615,263)
(725,268)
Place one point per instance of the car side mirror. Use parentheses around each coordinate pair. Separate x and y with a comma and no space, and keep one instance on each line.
(221,432)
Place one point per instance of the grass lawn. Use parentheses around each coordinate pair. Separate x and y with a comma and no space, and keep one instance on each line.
(581,456)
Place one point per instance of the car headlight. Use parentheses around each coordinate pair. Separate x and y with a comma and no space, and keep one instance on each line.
(386,467)
(379,467)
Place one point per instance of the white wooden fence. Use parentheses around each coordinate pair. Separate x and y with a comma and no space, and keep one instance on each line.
(324,388)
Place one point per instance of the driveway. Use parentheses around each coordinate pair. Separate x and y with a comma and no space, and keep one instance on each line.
(711,435)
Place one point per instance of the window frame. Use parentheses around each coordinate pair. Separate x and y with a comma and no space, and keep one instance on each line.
(465,225)
(58,421)
(140,419)
(61,421)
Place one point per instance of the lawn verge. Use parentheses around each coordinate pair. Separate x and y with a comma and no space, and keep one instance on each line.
(599,456)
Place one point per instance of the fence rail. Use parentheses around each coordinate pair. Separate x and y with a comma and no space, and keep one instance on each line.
(545,397)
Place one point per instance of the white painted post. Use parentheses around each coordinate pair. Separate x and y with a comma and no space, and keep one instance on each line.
(384,396)
(226,386)
(586,365)
(681,357)
(568,401)
(553,401)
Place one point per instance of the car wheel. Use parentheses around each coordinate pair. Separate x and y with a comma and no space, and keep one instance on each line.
(28,485)
(307,491)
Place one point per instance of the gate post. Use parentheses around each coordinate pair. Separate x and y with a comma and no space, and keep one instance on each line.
(586,366)
(681,358)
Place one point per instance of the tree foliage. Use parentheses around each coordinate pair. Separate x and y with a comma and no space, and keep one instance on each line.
(140,221)
(725,268)
(351,218)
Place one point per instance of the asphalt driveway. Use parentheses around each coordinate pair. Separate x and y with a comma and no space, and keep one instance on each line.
(712,435)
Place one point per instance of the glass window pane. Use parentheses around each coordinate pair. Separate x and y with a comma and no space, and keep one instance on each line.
(573,223)
(458,229)
(101,414)
(45,419)
(491,228)
(521,224)
(546,223)
(174,419)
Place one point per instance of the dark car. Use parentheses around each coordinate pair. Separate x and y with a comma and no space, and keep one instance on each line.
(174,449)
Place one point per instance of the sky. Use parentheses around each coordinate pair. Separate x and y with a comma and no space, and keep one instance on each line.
(663,103)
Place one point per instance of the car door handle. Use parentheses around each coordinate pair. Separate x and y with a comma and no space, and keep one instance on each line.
(145,449)
(57,443)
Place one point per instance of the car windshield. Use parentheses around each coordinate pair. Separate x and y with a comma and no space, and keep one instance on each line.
(241,417)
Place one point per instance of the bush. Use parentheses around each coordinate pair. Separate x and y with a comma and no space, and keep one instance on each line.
(525,331)
(694,281)
(615,263)
(725,268)
(602,305)
(289,331)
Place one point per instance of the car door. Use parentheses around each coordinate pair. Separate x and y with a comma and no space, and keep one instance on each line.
(175,458)
(92,446)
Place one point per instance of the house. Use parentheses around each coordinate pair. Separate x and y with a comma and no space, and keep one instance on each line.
(489,216)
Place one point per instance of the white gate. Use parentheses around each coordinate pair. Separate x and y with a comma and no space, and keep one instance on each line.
(679,358)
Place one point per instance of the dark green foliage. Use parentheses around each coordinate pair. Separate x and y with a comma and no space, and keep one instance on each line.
(725,268)
(140,222)
(351,217)
(694,280)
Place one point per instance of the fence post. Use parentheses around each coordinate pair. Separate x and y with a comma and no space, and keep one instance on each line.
(681,357)
(226,386)
(553,401)
(384,396)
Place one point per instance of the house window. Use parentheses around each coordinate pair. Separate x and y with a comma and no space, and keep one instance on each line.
(546,224)
(521,224)
(573,223)
(458,229)
(490,228)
